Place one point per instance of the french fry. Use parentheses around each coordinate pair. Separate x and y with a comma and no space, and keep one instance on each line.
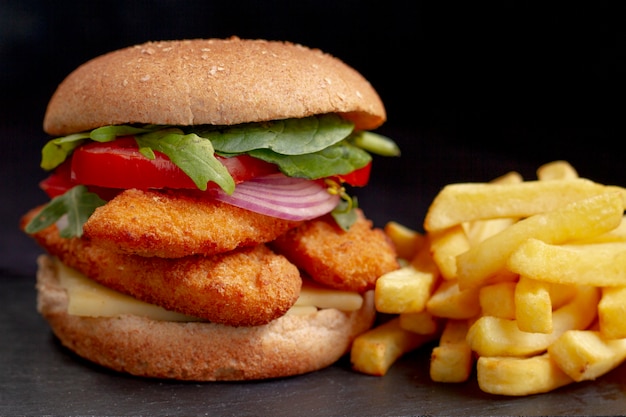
(445,245)
(449,301)
(556,170)
(405,240)
(423,260)
(586,355)
(561,294)
(498,300)
(577,220)
(533,306)
(466,202)
(374,351)
(601,264)
(492,336)
(454,331)
(615,235)
(612,311)
(479,230)
(405,290)
(452,360)
(511,177)
(422,322)
(516,376)
(532,289)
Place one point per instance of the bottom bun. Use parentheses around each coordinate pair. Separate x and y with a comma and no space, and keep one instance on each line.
(195,351)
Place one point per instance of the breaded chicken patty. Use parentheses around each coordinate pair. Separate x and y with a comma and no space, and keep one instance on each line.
(246,287)
(173,225)
(347,260)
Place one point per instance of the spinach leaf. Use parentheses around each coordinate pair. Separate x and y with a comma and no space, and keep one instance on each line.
(340,158)
(286,137)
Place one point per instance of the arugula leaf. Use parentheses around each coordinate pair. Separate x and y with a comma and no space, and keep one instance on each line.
(110,133)
(77,204)
(375,143)
(191,153)
(340,158)
(345,213)
(57,150)
(286,137)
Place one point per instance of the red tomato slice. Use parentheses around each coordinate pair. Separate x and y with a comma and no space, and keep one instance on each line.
(108,167)
(59,181)
(359,177)
(119,164)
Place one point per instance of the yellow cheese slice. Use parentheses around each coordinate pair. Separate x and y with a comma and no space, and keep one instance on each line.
(88,298)
(313,294)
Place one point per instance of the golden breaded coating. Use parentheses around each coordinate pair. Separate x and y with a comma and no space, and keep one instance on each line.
(153,223)
(246,287)
(351,260)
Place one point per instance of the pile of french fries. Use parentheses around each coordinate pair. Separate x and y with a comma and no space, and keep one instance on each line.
(523,281)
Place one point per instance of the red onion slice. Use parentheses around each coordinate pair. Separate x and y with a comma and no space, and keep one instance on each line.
(283,197)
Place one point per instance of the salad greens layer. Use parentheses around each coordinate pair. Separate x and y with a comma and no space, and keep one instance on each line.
(314,147)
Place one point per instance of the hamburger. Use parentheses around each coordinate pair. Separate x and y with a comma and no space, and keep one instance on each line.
(200,225)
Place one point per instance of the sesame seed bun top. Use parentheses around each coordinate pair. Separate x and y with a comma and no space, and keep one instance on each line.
(210,81)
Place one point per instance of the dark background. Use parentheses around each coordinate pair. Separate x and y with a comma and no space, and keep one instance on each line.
(471,90)
(518,77)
